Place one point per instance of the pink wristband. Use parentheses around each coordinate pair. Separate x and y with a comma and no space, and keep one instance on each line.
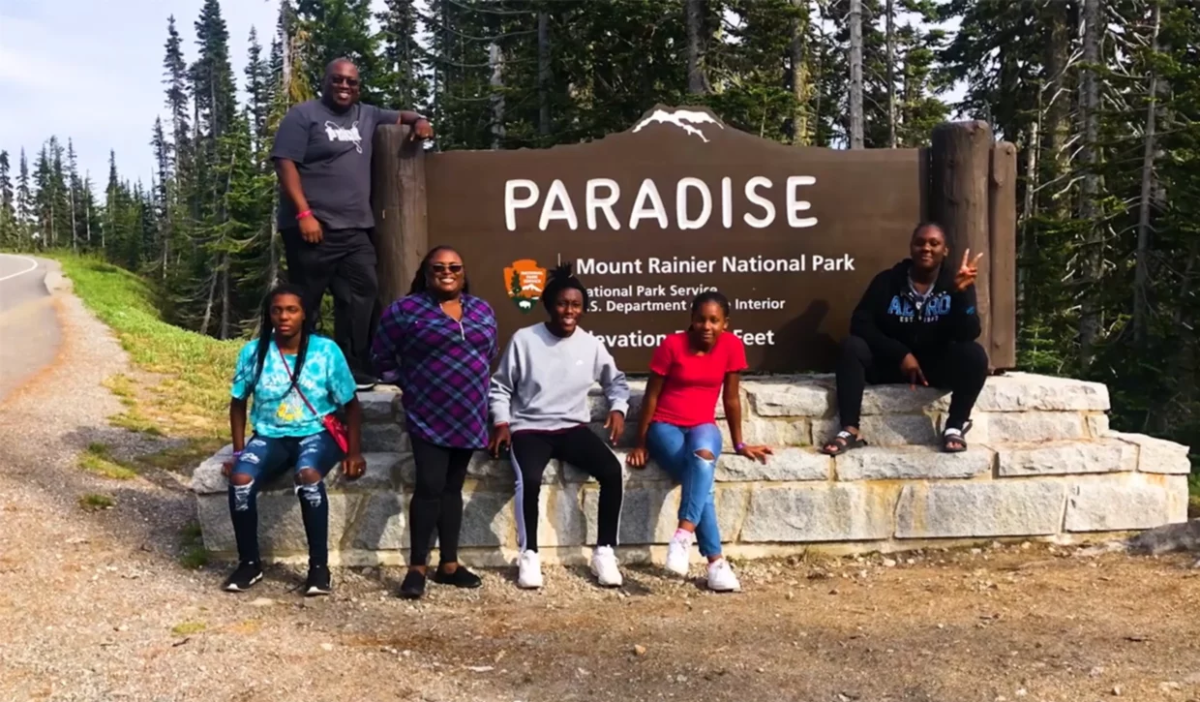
(302,215)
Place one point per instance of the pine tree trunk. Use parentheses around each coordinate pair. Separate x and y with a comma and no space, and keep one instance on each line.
(273,250)
(1057,126)
(286,78)
(1141,276)
(496,60)
(212,293)
(818,93)
(543,34)
(1028,243)
(856,78)
(1089,210)
(890,14)
(224,332)
(799,76)
(286,69)
(697,80)
(74,235)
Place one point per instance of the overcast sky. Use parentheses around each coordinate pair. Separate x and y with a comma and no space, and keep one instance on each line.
(91,70)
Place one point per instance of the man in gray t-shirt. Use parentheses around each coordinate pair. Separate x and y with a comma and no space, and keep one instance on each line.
(322,156)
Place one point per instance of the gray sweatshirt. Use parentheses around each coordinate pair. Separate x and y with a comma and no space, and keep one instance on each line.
(543,380)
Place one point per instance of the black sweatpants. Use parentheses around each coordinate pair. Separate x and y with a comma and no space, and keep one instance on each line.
(579,446)
(344,262)
(437,500)
(960,367)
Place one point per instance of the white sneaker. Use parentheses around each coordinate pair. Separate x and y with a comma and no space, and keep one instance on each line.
(721,577)
(678,551)
(529,570)
(604,567)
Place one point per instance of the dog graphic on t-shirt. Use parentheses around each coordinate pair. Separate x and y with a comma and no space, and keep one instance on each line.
(339,133)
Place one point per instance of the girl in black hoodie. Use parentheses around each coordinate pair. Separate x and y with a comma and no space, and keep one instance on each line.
(916,323)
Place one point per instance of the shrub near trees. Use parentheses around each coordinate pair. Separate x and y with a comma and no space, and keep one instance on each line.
(1102,98)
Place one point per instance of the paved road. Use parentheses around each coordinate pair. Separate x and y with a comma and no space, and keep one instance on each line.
(30,332)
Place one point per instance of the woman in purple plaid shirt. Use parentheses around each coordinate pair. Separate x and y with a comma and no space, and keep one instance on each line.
(437,343)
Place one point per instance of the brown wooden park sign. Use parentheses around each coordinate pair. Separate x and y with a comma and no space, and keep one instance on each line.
(682,203)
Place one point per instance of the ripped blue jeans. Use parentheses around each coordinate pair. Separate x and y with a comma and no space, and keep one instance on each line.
(263,460)
(675,450)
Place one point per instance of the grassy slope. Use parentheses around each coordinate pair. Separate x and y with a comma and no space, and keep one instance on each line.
(187,394)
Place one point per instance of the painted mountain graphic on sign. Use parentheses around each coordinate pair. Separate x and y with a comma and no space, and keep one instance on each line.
(687,120)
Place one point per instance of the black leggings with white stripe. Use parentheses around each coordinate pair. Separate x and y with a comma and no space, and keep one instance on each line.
(580,447)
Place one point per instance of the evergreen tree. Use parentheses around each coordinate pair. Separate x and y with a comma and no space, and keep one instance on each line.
(258,89)
(110,231)
(212,75)
(44,197)
(753,85)
(340,29)
(401,82)
(160,199)
(180,150)
(74,195)
(8,217)
(89,224)
(215,96)
(25,204)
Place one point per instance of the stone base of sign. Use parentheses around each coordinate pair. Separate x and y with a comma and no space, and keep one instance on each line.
(1042,465)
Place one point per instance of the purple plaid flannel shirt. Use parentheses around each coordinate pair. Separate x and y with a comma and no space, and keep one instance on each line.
(442,367)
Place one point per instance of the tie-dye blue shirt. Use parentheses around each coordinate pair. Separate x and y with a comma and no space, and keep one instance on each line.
(277,410)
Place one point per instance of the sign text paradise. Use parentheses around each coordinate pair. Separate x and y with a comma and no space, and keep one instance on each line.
(693,203)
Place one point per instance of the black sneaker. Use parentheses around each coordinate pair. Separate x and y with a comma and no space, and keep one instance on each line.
(318,582)
(242,579)
(461,577)
(365,381)
(413,586)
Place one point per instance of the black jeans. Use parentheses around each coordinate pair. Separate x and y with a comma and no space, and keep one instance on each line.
(344,262)
(960,367)
(437,499)
(532,450)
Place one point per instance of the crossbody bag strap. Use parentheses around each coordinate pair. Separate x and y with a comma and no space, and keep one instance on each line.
(295,382)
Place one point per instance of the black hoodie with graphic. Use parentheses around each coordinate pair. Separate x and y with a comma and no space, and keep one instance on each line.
(895,322)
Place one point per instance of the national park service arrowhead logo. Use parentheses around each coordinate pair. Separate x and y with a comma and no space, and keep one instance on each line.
(525,282)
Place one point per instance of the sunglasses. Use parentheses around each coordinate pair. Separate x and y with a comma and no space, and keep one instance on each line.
(443,267)
(343,80)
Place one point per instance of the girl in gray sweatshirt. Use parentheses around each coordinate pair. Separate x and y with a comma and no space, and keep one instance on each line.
(539,406)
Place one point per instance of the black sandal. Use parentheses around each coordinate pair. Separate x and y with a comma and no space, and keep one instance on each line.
(958,436)
(844,441)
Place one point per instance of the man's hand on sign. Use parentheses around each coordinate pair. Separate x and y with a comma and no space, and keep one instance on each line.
(422,129)
(615,426)
(965,277)
(310,230)
(638,458)
(912,370)
(499,440)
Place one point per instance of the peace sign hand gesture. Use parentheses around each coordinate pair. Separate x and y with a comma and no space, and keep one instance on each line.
(965,277)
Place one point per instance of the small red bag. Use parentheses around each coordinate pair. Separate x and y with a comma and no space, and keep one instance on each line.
(333,425)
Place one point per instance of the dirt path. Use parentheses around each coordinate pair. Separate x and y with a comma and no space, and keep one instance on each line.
(94,606)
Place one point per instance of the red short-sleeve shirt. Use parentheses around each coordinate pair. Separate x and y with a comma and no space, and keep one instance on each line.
(692,382)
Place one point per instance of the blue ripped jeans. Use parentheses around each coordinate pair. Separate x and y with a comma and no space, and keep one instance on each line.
(264,459)
(674,449)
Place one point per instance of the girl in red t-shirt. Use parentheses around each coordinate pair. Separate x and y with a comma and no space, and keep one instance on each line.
(678,428)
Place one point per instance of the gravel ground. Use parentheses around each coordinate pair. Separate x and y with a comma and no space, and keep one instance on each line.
(94,606)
